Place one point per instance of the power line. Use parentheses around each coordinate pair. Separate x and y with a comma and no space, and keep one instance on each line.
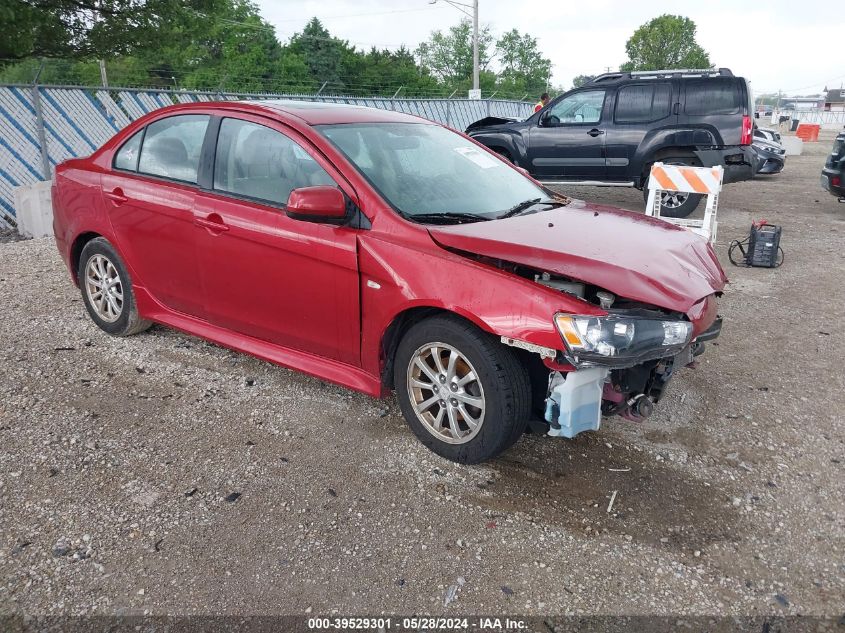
(271,28)
(356,15)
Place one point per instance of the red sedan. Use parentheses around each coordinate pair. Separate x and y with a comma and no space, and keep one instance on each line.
(383,252)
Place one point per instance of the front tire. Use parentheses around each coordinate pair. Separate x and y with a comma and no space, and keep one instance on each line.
(107,290)
(465,395)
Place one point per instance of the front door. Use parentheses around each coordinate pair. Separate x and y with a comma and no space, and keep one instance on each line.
(568,140)
(289,282)
(150,202)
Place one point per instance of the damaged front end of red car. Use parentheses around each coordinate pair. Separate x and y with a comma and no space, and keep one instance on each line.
(654,284)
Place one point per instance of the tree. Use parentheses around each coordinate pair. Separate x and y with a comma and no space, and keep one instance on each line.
(448,57)
(64,28)
(325,55)
(667,41)
(580,80)
(524,69)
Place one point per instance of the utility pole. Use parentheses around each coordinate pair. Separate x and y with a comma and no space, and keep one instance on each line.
(463,7)
(104,79)
(475,44)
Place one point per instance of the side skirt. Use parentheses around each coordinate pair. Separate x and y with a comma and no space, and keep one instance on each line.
(333,371)
(590,183)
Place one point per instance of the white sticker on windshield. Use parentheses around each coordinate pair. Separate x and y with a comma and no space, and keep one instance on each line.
(482,159)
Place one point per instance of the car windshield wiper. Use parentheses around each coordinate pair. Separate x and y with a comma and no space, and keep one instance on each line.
(446,217)
(527,204)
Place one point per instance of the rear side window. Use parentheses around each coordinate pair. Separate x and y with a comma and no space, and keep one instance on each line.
(712,96)
(257,162)
(640,103)
(172,147)
(127,156)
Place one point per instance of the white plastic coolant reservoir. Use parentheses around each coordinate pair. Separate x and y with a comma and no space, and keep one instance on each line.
(576,402)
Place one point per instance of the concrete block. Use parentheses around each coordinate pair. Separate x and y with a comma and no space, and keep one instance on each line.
(792,144)
(34,209)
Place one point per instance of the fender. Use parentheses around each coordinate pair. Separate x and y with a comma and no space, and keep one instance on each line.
(512,138)
(496,301)
(684,139)
(73,215)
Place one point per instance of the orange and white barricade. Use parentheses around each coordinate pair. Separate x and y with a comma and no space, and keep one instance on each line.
(680,178)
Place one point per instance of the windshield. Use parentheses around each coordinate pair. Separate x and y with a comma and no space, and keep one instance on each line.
(423,169)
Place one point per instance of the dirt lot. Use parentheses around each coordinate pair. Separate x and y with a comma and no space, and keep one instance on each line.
(122,461)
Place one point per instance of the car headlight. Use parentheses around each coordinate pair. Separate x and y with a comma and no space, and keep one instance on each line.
(616,340)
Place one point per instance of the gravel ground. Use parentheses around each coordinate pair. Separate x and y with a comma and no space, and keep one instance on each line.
(161,474)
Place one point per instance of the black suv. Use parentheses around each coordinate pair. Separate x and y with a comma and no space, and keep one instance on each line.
(610,130)
(833,174)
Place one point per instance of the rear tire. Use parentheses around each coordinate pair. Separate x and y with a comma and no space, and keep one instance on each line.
(107,290)
(673,204)
(464,394)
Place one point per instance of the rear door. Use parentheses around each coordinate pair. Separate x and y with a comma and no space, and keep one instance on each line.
(714,104)
(639,108)
(149,195)
(568,140)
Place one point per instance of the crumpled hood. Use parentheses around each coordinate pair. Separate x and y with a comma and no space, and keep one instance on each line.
(490,121)
(632,255)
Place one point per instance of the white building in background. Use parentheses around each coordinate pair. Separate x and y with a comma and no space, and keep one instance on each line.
(802,103)
(835,100)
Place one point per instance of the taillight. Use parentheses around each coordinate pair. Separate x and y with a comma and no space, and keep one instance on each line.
(745,138)
(835,181)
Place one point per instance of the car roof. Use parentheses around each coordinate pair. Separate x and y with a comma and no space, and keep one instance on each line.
(320,112)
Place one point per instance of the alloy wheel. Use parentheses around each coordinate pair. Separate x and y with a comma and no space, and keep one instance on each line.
(104,288)
(446,393)
(672,199)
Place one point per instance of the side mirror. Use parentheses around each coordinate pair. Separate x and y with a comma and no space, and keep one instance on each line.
(317,204)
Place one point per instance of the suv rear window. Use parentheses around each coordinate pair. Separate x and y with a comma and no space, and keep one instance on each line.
(639,103)
(712,96)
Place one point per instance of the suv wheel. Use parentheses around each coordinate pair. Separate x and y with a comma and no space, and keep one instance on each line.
(675,204)
(107,290)
(464,394)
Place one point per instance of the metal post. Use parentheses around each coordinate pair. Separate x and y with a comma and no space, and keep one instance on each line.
(449,113)
(321,88)
(104,79)
(475,44)
(39,125)
(397,92)
(463,7)
(453,93)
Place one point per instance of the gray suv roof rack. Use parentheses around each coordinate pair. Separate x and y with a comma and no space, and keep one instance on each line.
(674,72)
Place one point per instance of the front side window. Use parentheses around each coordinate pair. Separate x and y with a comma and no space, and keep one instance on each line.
(422,168)
(127,156)
(257,162)
(172,147)
(581,107)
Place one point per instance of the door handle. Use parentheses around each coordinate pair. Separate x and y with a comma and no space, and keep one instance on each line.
(212,222)
(116,196)
(595,132)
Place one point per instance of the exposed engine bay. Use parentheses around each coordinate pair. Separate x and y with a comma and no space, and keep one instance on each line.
(580,394)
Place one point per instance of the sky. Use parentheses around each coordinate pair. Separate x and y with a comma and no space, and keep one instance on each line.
(795,47)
